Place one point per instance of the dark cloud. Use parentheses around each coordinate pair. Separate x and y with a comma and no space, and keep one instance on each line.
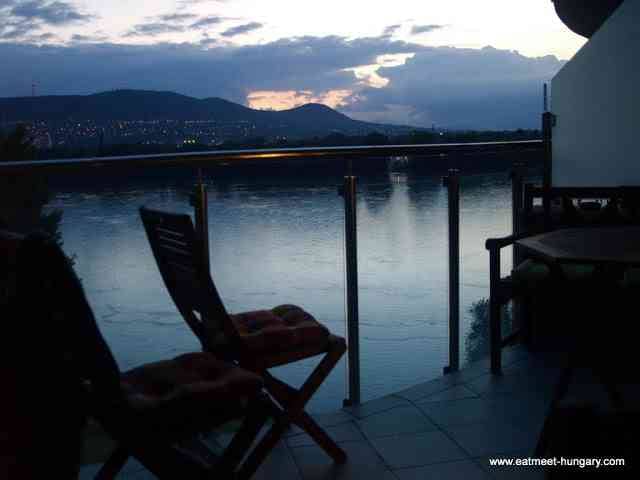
(23,20)
(486,88)
(418,29)
(87,38)
(153,29)
(207,21)
(18,29)
(306,63)
(462,88)
(172,23)
(391,29)
(51,13)
(240,29)
(178,17)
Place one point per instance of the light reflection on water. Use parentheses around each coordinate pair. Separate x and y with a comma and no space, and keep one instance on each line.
(280,240)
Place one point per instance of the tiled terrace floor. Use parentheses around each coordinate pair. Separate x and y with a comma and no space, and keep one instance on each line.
(447,428)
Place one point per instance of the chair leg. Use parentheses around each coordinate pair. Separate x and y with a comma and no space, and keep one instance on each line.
(264,447)
(293,402)
(322,438)
(113,465)
(258,412)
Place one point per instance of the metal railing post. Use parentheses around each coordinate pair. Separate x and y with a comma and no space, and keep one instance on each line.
(517,213)
(199,201)
(348,191)
(517,205)
(452,182)
(547,124)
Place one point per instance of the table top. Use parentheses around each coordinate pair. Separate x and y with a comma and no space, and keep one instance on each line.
(617,245)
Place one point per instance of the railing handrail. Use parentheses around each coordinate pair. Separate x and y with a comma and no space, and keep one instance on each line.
(224,156)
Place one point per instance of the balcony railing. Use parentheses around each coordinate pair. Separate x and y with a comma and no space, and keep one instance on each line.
(351,156)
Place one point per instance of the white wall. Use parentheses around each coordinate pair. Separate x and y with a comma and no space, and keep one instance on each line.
(596,98)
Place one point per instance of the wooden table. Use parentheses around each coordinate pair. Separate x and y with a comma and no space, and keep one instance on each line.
(611,250)
(618,246)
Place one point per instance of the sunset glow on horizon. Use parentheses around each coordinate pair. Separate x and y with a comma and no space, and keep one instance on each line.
(287,99)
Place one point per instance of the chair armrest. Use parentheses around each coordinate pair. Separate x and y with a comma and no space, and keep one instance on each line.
(498,243)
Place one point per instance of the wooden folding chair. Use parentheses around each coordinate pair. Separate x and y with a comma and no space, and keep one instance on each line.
(154,412)
(257,340)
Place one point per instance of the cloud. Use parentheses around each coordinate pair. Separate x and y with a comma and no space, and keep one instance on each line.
(207,21)
(196,2)
(419,29)
(391,29)
(23,20)
(50,13)
(18,29)
(177,17)
(240,29)
(76,37)
(452,87)
(153,29)
(462,88)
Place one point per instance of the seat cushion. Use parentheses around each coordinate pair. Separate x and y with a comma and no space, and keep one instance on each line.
(285,327)
(192,381)
(532,273)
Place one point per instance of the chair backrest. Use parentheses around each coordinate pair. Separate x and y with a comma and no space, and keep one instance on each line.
(580,207)
(177,251)
(50,345)
(54,313)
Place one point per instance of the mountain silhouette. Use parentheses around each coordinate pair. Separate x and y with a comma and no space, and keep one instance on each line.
(128,105)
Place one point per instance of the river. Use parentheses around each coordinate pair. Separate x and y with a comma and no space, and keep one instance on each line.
(280,240)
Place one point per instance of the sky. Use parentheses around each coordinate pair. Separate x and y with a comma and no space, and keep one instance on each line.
(456,64)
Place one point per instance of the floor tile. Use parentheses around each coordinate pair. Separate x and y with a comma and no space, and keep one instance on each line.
(395,421)
(324,420)
(279,464)
(492,439)
(459,470)
(346,432)
(331,419)
(418,449)
(524,381)
(457,392)
(428,388)
(375,406)
(363,463)
(460,412)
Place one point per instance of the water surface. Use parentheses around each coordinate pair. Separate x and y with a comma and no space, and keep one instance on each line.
(280,240)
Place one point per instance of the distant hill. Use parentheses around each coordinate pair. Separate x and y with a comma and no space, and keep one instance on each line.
(307,120)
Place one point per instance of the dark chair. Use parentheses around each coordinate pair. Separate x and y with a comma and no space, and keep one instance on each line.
(257,340)
(59,370)
(531,279)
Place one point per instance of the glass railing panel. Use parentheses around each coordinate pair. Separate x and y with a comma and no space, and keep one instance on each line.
(402,235)
(278,239)
(273,240)
(485,212)
(101,230)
